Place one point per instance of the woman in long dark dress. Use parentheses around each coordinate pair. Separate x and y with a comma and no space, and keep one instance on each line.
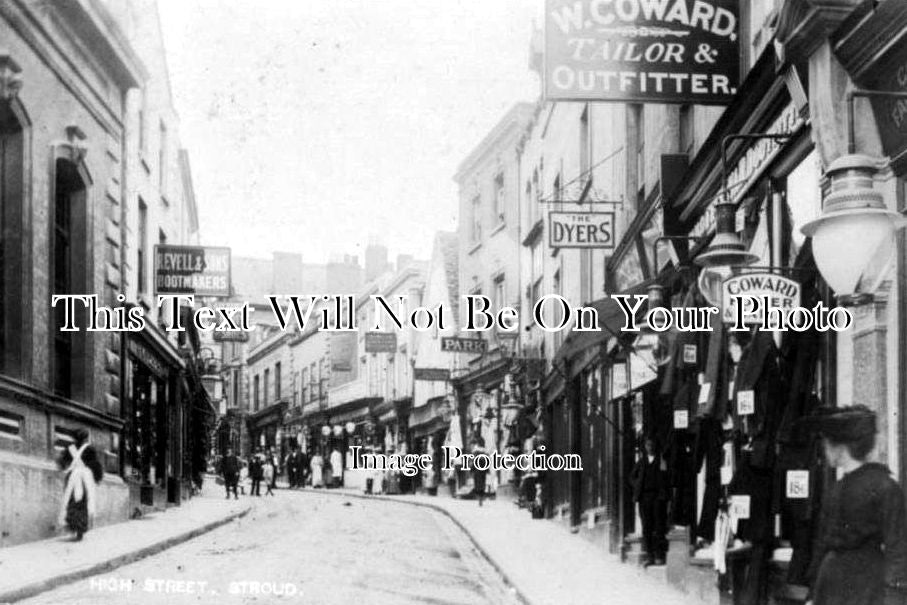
(478,475)
(860,556)
(83,471)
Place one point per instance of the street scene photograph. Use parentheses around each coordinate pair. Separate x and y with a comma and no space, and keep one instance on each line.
(509,302)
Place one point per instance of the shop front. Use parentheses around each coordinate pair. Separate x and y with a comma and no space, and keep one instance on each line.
(266,428)
(744,480)
(428,426)
(155,413)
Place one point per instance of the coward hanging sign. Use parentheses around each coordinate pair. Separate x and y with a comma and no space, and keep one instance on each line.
(656,51)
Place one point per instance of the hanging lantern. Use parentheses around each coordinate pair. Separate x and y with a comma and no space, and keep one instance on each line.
(326,430)
(338,430)
(350,427)
(726,249)
(854,225)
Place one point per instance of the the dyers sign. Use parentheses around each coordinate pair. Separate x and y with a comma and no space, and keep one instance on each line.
(581,230)
(780,292)
(200,270)
(659,51)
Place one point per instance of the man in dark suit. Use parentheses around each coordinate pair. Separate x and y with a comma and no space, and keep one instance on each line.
(256,472)
(292,464)
(650,490)
(229,468)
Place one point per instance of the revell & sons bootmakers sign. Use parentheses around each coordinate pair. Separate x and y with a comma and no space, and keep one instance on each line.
(658,51)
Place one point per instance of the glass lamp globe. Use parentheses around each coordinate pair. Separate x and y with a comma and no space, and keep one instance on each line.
(844,245)
(853,226)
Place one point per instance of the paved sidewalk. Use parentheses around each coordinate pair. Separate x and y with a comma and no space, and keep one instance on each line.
(542,560)
(31,568)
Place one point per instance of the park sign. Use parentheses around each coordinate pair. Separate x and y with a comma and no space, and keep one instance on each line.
(642,51)
(198,270)
(453,344)
(581,230)
(777,291)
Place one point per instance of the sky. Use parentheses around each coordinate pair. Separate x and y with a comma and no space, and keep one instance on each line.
(314,125)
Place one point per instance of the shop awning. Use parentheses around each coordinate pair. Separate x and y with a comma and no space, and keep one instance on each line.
(355,410)
(431,417)
(273,414)
(611,319)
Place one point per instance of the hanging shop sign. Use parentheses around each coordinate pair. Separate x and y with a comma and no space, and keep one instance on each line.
(199,270)
(230,336)
(431,374)
(380,342)
(671,51)
(778,291)
(581,230)
(453,344)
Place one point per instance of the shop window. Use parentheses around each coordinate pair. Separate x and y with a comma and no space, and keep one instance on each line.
(67,255)
(277,381)
(12,159)
(255,392)
(305,385)
(10,424)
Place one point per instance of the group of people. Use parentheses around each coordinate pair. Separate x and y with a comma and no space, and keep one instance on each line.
(264,467)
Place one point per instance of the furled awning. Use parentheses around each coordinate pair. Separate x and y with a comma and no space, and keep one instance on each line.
(611,320)
(431,417)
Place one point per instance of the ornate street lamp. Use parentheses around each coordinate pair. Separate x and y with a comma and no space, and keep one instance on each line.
(854,226)
(725,249)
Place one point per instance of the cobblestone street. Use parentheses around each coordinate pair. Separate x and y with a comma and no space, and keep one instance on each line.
(312,548)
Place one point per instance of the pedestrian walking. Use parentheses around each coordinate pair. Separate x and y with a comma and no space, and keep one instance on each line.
(268,472)
(337,468)
(650,492)
(860,556)
(229,468)
(317,466)
(256,472)
(83,472)
(292,465)
(478,476)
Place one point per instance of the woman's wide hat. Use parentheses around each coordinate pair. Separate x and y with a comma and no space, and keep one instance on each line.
(842,425)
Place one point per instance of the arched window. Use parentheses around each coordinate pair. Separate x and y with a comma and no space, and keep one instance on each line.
(68,276)
(12,202)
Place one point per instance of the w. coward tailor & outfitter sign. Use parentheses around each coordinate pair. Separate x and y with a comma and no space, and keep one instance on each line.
(659,51)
